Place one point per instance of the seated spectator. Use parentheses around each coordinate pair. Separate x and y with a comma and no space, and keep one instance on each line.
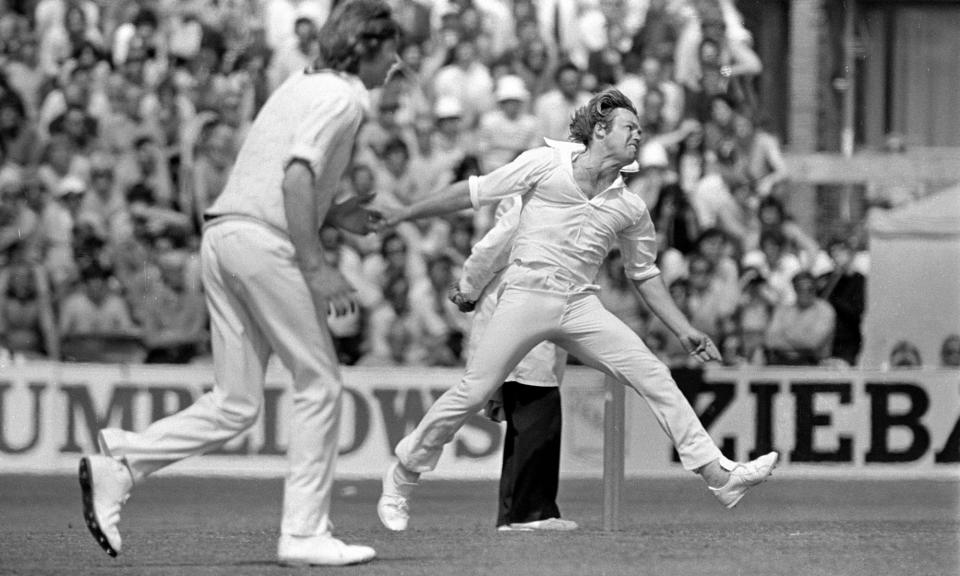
(93,308)
(60,215)
(467,80)
(26,312)
(905,355)
(19,222)
(374,135)
(216,151)
(845,289)
(397,185)
(800,334)
(554,109)
(60,160)
(297,53)
(175,319)
(147,166)
(950,352)
(675,220)
(619,296)
(390,336)
(776,264)
(660,338)
(18,135)
(95,324)
(761,155)
(710,301)
(451,143)
(440,326)
(754,311)
(104,205)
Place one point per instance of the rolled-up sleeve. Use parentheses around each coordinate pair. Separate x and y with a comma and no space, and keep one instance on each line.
(638,243)
(517,177)
(330,122)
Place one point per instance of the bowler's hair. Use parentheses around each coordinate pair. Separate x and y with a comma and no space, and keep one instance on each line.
(354,32)
(599,110)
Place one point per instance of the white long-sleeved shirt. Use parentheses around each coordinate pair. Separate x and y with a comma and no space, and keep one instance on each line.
(562,235)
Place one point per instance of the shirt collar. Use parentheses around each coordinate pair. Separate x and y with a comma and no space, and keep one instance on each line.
(574,147)
(356,85)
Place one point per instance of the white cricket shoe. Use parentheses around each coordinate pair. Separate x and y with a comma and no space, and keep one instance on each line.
(392,508)
(743,476)
(322,550)
(551,524)
(105,484)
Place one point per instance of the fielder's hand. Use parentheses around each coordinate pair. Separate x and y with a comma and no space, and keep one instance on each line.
(331,292)
(701,347)
(354,216)
(457,297)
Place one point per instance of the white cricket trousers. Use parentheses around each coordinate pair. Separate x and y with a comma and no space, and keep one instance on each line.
(580,324)
(259,303)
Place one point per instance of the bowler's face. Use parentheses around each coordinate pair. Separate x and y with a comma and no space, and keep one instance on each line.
(623,137)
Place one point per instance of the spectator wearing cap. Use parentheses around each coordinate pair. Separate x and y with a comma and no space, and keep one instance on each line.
(508,130)
(800,333)
(554,109)
(57,221)
(451,141)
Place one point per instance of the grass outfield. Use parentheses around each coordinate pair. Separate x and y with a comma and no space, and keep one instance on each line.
(177,525)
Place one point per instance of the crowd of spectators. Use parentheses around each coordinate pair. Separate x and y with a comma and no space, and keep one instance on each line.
(119,122)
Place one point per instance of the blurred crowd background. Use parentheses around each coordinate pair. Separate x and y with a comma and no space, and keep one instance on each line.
(119,122)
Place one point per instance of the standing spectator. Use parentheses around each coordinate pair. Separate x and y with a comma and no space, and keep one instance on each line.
(845,289)
(554,109)
(800,333)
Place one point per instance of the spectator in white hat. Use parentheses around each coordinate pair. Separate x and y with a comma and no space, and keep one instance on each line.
(451,143)
(509,129)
